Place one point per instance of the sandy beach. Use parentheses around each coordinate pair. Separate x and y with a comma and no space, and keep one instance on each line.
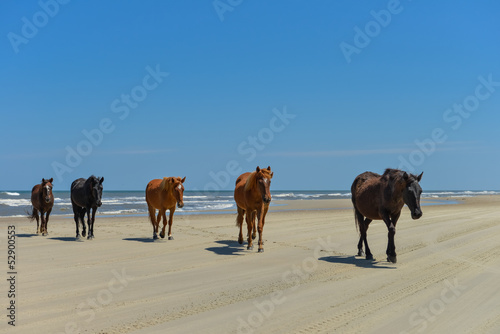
(307,280)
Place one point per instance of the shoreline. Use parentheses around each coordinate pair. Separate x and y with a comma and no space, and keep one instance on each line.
(278,206)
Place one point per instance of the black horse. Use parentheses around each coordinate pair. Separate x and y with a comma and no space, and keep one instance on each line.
(382,197)
(86,194)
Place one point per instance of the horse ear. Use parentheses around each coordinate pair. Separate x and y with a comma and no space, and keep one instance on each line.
(184,179)
(420,177)
(172,180)
(405,176)
(272,175)
(43,180)
(51,179)
(269,168)
(101,180)
(257,169)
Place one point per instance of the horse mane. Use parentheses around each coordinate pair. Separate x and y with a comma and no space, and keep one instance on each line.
(250,180)
(392,177)
(253,175)
(166,184)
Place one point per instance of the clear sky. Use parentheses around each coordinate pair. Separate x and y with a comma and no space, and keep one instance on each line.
(319,90)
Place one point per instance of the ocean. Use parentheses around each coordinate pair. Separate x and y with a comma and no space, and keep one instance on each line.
(18,203)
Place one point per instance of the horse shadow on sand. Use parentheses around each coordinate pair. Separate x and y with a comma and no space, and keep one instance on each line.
(27,235)
(146,240)
(230,247)
(357,261)
(73,239)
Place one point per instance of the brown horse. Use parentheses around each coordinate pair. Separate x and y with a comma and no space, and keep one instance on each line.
(42,201)
(164,195)
(252,196)
(381,197)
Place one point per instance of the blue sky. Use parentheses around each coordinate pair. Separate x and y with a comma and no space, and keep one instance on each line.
(319,90)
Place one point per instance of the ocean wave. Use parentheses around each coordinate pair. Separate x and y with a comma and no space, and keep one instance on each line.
(15,202)
(465,193)
(11,193)
(120,212)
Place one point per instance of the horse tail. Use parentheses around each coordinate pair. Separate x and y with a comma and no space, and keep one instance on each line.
(353,199)
(33,215)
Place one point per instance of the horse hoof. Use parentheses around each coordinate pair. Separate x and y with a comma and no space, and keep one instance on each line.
(84,234)
(155,237)
(369,257)
(162,235)
(170,238)
(90,237)
(261,250)
(249,247)
(254,236)
(361,253)
(240,241)
(78,238)
(392,259)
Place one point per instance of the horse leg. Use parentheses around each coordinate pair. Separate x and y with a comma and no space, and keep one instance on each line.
(152,218)
(261,217)
(391,246)
(47,221)
(157,224)
(82,221)
(42,222)
(250,221)
(170,222)
(254,233)
(76,217)
(89,222)
(35,214)
(239,223)
(364,233)
(165,222)
(360,219)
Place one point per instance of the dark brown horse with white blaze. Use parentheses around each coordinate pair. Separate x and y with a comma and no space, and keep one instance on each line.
(252,195)
(381,197)
(42,201)
(164,194)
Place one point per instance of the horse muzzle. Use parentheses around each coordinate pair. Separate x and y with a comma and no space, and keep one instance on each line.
(180,205)
(266,199)
(47,200)
(416,214)
(99,204)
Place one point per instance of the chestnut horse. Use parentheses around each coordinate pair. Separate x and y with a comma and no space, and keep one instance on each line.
(42,200)
(252,196)
(381,197)
(164,195)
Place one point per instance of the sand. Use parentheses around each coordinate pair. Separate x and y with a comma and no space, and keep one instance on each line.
(447,279)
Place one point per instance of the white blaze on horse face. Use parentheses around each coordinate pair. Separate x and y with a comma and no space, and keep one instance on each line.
(179,187)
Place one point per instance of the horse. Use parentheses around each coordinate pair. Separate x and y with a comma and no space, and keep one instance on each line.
(164,194)
(42,201)
(86,196)
(252,195)
(381,197)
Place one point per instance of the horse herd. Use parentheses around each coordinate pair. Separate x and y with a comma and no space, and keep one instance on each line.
(374,197)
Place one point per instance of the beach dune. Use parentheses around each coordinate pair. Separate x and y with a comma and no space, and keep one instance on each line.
(307,281)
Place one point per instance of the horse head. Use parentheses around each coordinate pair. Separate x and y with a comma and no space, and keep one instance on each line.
(47,190)
(411,194)
(178,190)
(263,178)
(96,189)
